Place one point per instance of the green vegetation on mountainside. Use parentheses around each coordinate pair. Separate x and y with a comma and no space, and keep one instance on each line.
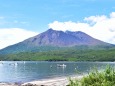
(64,55)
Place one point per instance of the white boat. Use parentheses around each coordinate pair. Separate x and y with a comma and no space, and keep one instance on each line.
(16,64)
(59,65)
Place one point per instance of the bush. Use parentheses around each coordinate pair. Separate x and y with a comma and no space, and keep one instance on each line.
(96,78)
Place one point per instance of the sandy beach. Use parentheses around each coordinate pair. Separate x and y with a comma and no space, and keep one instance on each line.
(58,81)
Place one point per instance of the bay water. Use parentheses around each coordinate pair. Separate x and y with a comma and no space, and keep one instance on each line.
(25,71)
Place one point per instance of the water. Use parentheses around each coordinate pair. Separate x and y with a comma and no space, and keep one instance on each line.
(24,71)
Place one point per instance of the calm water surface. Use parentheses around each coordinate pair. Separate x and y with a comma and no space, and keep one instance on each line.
(20,71)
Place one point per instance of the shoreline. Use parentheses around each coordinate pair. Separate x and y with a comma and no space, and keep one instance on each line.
(9,84)
(56,81)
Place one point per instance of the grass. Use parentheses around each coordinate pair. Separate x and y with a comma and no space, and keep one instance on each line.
(96,78)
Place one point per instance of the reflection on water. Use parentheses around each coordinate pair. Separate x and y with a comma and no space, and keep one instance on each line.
(23,71)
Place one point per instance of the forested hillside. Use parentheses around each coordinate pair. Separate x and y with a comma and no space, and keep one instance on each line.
(64,55)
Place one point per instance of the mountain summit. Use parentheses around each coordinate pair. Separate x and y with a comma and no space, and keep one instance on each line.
(63,39)
(52,38)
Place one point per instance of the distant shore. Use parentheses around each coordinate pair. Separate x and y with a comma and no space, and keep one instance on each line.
(58,81)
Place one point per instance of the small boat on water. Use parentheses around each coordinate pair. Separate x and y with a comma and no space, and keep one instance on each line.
(59,65)
(15,64)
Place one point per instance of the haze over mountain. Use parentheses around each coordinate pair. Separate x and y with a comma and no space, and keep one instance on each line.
(52,39)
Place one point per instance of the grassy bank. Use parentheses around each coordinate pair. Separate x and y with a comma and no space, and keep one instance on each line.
(96,78)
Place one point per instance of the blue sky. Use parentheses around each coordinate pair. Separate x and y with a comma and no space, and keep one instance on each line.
(37,16)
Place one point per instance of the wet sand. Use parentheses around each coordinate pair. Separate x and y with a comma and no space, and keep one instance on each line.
(8,84)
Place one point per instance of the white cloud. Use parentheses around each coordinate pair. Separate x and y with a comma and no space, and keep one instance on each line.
(101,27)
(95,19)
(112,15)
(10,36)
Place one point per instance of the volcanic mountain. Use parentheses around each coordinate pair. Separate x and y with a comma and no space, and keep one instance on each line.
(51,40)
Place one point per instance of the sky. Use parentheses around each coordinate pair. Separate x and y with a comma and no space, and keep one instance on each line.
(21,19)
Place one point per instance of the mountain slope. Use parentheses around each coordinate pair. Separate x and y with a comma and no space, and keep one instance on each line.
(53,40)
(62,39)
